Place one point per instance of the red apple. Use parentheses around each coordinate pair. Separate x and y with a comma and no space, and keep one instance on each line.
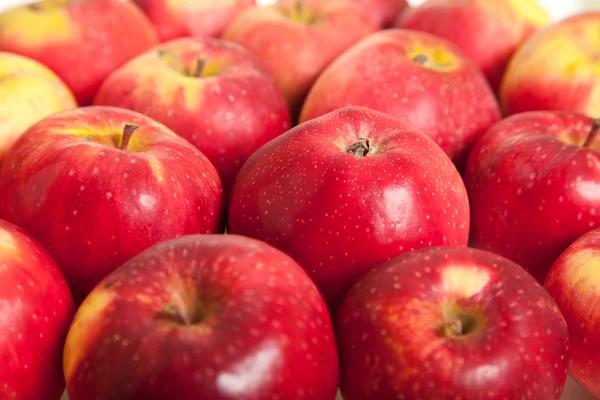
(573,282)
(183,18)
(451,323)
(556,69)
(534,187)
(29,92)
(383,11)
(95,191)
(36,308)
(217,317)
(297,39)
(415,76)
(490,31)
(212,92)
(82,41)
(346,191)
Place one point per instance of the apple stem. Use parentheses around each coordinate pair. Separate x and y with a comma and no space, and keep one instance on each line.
(127,133)
(421,59)
(593,133)
(361,148)
(298,6)
(199,67)
(454,328)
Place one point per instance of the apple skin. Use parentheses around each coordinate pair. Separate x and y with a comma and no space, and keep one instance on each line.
(92,205)
(296,47)
(399,335)
(230,111)
(490,31)
(37,309)
(573,283)
(174,19)
(339,215)
(212,317)
(29,92)
(81,41)
(537,79)
(383,11)
(533,188)
(447,98)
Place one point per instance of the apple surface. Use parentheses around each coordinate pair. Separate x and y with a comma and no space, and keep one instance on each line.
(556,69)
(450,322)
(414,76)
(97,185)
(81,41)
(212,92)
(383,11)
(346,191)
(573,283)
(534,187)
(37,309)
(29,92)
(297,39)
(219,317)
(174,19)
(490,31)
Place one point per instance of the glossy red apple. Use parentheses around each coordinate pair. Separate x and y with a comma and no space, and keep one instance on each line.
(36,310)
(212,92)
(346,191)
(297,39)
(451,323)
(534,187)
(82,41)
(184,18)
(95,191)
(490,31)
(573,282)
(417,77)
(217,317)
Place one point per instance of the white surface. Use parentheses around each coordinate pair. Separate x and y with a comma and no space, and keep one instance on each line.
(558,9)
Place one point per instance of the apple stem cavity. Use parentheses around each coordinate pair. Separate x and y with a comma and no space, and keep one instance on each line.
(593,133)
(127,133)
(361,148)
(454,328)
(422,59)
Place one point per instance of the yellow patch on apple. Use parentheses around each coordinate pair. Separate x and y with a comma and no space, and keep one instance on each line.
(584,270)
(465,282)
(531,11)
(7,242)
(49,21)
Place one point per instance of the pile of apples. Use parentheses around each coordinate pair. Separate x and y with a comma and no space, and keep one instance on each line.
(220,200)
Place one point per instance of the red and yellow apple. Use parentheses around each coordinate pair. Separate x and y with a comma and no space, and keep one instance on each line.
(213,93)
(489,33)
(415,76)
(219,317)
(450,322)
(196,18)
(558,68)
(82,41)
(29,92)
(346,191)
(297,40)
(36,310)
(97,185)
(534,186)
(574,281)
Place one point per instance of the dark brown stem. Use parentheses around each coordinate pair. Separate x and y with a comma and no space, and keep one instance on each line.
(454,328)
(421,59)
(298,5)
(360,148)
(199,67)
(127,133)
(593,133)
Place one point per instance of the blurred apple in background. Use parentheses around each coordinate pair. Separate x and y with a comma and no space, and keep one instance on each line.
(212,92)
(97,185)
(534,186)
(346,191)
(81,41)
(383,11)
(219,317)
(451,323)
(297,39)
(181,18)
(29,92)
(558,68)
(36,310)
(490,30)
(414,76)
